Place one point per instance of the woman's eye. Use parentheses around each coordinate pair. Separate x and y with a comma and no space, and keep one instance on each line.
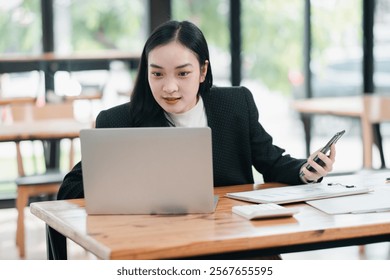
(156,74)
(183,74)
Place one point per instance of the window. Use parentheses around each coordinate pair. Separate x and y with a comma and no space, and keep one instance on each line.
(212,17)
(88,25)
(337,48)
(381,47)
(272,42)
(336,57)
(21,33)
(20,27)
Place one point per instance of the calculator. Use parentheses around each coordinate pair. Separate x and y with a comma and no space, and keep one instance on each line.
(263,211)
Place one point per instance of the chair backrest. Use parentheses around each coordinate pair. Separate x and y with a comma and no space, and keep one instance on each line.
(6,102)
(31,112)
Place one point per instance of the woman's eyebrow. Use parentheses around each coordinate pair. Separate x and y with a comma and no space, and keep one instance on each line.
(177,67)
(183,65)
(155,66)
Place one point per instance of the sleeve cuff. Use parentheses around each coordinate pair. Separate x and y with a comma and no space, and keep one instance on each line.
(303,179)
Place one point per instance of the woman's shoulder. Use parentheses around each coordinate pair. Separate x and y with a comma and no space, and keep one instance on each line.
(229,95)
(231,91)
(121,108)
(117,116)
(228,101)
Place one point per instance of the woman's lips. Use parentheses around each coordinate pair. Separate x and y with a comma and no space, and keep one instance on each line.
(171,100)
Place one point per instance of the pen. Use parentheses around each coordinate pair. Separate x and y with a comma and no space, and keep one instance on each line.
(387,181)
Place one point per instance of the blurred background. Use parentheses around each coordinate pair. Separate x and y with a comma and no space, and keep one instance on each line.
(281,50)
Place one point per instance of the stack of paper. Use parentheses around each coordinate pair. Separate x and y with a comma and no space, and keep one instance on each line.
(282,195)
(377,201)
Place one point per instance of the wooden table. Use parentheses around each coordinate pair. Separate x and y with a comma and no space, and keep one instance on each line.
(219,235)
(45,130)
(42,130)
(369,109)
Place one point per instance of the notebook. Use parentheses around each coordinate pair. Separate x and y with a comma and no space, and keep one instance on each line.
(289,194)
(147,170)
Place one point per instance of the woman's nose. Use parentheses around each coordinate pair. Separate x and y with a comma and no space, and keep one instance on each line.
(170,86)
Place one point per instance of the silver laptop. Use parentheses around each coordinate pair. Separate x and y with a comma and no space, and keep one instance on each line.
(147,170)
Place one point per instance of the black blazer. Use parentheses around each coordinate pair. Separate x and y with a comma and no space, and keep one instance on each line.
(238,141)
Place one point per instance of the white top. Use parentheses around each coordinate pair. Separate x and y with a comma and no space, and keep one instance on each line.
(195,117)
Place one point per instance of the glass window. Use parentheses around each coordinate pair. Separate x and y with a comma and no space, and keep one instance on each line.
(88,25)
(381,47)
(272,42)
(272,49)
(21,35)
(20,27)
(336,66)
(337,48)
(212,17)
(382,63)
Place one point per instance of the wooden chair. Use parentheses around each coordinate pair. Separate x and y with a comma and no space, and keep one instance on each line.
(32,186)
(38,184)
(376,111)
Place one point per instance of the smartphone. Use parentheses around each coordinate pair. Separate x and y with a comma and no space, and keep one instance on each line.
(326,149)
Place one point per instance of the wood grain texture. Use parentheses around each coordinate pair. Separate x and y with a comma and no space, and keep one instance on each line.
(180,236)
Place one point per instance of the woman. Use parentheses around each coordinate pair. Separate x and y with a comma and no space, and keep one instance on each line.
(174,88)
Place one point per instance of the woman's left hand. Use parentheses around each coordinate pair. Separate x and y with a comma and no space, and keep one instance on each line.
(320,171)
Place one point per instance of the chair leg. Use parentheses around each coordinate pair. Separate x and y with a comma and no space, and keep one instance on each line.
(24,193)
(19,159)
(21,202)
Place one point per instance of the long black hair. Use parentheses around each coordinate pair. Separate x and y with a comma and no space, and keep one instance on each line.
(144,109)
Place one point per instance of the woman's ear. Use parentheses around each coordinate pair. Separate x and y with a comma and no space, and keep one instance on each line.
(203,71)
